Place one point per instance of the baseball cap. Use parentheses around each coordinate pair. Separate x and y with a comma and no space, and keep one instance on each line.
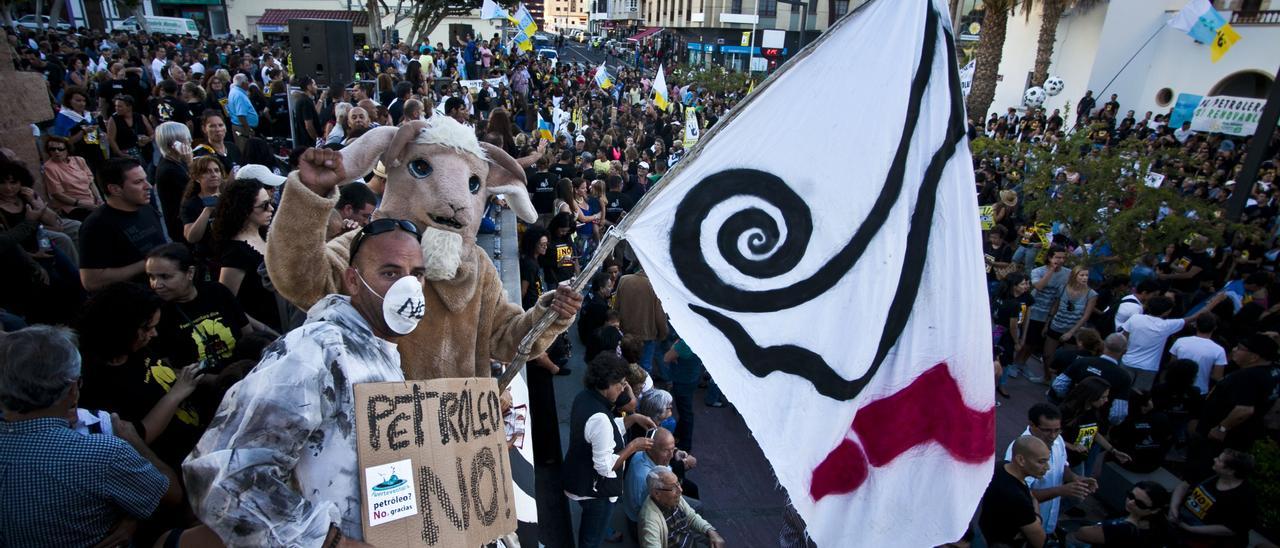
(644,165)
(581,139)
(588,156)
(260,173)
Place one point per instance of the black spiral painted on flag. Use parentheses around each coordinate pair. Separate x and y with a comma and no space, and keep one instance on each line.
(770,253)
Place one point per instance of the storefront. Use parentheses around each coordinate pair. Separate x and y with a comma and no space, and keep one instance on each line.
(209,15)
(273,26)
(733,57)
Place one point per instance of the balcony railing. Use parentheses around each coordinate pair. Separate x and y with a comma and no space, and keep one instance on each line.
(1258,17)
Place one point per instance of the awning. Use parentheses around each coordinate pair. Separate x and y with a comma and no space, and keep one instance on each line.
(645,34)
(280,17)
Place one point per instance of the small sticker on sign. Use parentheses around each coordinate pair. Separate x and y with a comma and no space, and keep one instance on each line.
(390,496)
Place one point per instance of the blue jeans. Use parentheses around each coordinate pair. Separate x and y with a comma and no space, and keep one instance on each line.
(646,356)
(1027,256)
(595,520)
(682,393)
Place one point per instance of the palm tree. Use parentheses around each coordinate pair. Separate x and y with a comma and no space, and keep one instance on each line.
(990,50)
(1050,16)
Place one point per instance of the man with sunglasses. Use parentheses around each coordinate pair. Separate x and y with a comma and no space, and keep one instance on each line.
(1044,422)
(278,465)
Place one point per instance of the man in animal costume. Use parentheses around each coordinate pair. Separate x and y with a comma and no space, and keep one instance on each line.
(439,176)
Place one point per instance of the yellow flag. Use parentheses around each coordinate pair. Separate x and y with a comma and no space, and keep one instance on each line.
(1226,37)
(751,87)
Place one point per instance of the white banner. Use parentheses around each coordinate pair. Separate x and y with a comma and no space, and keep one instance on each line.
(692,131)
(1229,115)
(966,77)
(843,304)
(477,85)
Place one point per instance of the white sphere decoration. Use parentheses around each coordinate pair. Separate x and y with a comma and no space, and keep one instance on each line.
(1034,97)
(1054,85)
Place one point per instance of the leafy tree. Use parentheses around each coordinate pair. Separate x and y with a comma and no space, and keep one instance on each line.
(428,14)
(1112,201)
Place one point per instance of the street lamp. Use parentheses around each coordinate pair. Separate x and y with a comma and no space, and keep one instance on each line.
(804,17)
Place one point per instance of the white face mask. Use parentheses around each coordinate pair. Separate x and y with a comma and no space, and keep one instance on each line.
(403,306)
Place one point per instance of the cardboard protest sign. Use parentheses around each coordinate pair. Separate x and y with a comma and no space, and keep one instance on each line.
(987,217)
(434,464)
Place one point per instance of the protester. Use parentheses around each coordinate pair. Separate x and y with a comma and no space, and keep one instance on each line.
(1059,480)
(1009,514)
(69,181)
(346,341)
(1143,525)
(107,482)
(667,520)
(116,237)
(240,223)
(596,457)
(1220,510)
(1147,334)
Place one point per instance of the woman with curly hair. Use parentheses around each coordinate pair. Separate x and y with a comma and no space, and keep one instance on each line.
(594,465)
(122,375)
(239,235)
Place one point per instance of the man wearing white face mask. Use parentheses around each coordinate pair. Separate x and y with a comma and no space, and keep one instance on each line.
(277,467)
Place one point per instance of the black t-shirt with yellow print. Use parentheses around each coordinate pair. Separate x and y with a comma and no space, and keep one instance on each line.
(131,389)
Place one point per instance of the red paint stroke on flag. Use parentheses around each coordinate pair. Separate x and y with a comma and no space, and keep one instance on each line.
(929,409)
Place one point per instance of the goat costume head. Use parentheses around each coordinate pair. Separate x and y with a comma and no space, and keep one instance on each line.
(440,177)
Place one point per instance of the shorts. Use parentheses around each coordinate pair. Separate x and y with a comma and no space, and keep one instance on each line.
(1055,335)
(1035,336)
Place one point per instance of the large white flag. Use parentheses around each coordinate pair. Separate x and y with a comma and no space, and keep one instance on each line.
(826,265)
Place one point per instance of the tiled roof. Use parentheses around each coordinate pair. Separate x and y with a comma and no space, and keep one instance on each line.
(282,17)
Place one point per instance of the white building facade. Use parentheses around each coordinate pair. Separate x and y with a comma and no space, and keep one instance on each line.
(1102,49)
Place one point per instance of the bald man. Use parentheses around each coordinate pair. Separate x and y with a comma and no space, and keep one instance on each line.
(664,448)
(1009,512)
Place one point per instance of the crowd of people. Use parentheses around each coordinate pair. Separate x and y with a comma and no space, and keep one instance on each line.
(165,163)
(1164,361)
(144,232)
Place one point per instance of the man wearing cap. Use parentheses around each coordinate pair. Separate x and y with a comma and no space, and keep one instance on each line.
(1232,415)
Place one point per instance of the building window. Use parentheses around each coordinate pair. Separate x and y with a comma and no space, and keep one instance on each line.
(841,7)
(768,8)
(735,6)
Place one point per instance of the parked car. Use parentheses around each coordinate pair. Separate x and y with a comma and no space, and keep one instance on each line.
(30,22)
(549,54)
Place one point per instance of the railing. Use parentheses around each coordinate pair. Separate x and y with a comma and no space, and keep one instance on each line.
(1258,17)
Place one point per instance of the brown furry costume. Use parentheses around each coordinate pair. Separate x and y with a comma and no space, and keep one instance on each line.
(468,318)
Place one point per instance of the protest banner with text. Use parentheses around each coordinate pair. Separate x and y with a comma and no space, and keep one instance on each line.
(434,464)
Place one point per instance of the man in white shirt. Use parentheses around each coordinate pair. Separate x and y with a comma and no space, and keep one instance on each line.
(1182,133)
(1200,348)
(1147,334)
(157,65)
(1131,304)
(1045,422)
